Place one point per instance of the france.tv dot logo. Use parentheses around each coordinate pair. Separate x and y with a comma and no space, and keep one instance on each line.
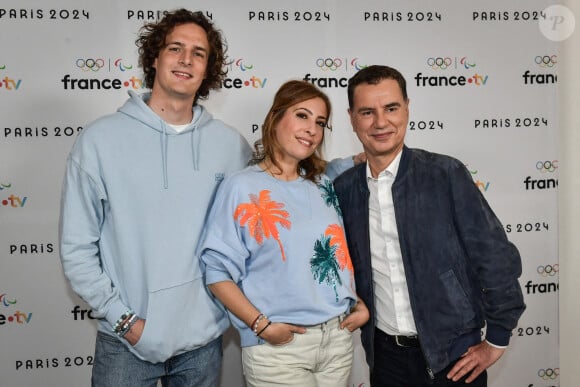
(18,317)
(7,83)
(11,200)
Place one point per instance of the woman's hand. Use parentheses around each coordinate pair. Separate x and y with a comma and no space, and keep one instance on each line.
(281,333)
(358,317)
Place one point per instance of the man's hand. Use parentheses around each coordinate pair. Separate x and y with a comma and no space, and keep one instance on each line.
(359,158)
(135,332)
(476,360)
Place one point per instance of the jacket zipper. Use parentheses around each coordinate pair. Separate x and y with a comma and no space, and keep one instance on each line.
(431,374)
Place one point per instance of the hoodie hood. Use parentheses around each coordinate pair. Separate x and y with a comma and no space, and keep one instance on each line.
(136,108)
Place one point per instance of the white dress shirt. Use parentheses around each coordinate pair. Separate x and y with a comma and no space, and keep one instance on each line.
(393,307)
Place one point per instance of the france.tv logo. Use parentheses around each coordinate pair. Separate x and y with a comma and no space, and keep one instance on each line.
(7,83)
(90,66)
(453,63)
(17,317)
(482,185)
(11,200)
(247,81)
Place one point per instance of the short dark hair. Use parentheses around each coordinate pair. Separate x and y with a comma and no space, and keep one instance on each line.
(372,75)
(152,39)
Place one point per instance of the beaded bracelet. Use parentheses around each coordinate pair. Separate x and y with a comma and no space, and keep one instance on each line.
(255,321)
(255,326)
(125,317)
(263,329)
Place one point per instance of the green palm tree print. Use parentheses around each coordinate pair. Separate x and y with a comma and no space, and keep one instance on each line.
(324,265)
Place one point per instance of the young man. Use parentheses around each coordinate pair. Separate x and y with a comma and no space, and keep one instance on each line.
(137,187)
(431,259)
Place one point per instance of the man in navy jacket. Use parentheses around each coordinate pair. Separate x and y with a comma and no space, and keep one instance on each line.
(432,261)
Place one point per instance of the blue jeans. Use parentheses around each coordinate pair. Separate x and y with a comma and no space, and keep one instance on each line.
(116,366)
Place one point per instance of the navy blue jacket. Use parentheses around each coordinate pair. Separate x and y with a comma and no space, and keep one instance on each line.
(461,270)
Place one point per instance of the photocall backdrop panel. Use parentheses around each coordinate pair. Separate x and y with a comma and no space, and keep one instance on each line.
(482,80)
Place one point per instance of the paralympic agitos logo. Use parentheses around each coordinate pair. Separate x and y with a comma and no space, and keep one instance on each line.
(245,79)
(97,66)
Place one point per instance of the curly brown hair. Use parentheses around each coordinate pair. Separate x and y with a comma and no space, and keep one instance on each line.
(152,39)
(289,94)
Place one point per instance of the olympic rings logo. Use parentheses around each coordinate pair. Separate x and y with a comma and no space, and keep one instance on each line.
(548,270)
(439,63)
(549,373)
(547,166)
(90,64)
(329,63)
(546,61)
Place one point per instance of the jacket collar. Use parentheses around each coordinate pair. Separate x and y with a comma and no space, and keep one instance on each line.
(404,164)
(361,169)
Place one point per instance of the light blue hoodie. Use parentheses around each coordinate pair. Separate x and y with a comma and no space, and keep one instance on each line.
(134,203)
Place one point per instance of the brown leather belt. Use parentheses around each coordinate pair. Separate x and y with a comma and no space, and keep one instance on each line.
(398,340)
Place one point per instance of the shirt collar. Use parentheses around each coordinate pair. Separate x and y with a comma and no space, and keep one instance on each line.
(392,169)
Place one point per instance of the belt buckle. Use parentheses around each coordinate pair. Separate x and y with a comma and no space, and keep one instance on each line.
(400,344)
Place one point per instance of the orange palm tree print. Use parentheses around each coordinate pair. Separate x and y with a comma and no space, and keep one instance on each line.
(261,216)
(338,239)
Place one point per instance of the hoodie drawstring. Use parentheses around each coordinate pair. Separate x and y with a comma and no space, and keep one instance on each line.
(194,135)
(164,153)
(195,148)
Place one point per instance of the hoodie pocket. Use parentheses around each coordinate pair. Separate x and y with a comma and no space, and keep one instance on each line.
(180,319)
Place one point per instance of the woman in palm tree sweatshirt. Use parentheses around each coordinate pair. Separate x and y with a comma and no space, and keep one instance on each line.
(275,252)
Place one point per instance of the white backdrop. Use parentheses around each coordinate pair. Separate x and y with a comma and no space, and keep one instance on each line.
(569,209)
(482,78)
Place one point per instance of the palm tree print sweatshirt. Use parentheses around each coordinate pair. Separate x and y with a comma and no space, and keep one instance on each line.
(283,243)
